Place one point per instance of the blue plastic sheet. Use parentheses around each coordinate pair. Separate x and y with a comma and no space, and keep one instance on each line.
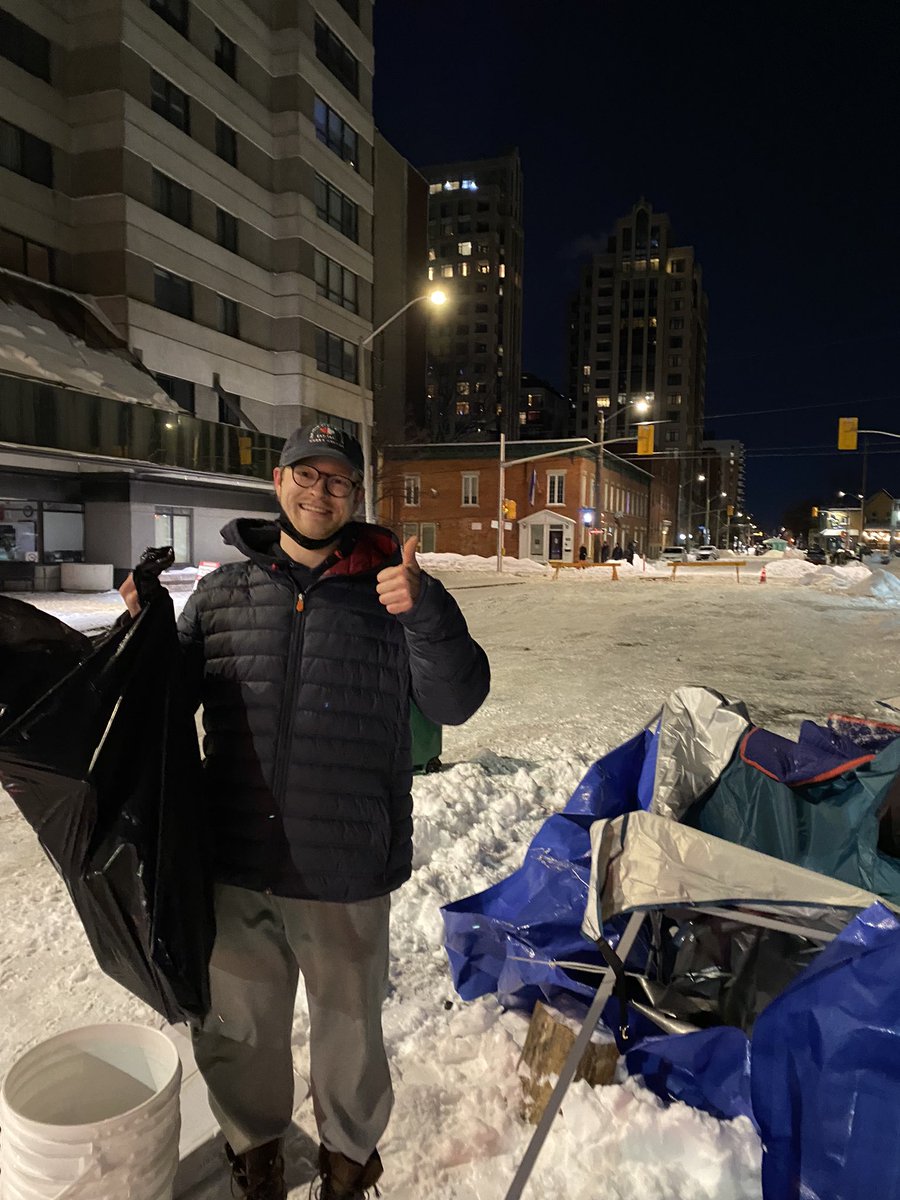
(825,1061)
(820,1077)
(503,939)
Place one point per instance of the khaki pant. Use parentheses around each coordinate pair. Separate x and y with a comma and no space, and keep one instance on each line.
(243,1048)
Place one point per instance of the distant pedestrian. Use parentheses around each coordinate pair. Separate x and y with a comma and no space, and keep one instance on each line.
(582,554)
(629,553)
(604,552)
(617,553)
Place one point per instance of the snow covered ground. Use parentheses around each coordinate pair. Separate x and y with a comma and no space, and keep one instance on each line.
(576,669)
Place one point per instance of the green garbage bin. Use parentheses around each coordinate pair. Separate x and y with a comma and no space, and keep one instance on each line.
(427,740)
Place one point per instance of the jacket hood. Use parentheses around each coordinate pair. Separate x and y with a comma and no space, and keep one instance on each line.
(362,548)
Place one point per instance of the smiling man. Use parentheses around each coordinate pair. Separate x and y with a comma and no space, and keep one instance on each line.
(305,656)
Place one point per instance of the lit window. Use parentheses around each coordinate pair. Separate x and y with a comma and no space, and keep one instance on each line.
(465,248)
(462,388)
(586,369)
(501,270)
(447,270)
(470,185)
(654,264)
(484,268)
(431,272)
(462,410)
(434,188)
(452,185)
(469,490)
(463,268)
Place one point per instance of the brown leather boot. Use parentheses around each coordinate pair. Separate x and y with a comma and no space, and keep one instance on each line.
(343,1179)
(258,1174)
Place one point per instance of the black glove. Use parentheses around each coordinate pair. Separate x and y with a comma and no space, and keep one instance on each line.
(154,561)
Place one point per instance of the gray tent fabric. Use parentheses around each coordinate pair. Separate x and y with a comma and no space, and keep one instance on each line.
(645,861)
(699,731)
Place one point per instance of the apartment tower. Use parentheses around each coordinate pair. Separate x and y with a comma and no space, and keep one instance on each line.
(475,254)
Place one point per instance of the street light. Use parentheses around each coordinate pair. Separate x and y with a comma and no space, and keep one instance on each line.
(436,297)
(603,403)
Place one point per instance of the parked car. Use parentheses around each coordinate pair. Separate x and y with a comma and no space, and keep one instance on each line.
(817,555)
(673,554)
(707,553)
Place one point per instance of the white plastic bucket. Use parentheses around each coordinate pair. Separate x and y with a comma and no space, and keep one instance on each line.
(92,1114)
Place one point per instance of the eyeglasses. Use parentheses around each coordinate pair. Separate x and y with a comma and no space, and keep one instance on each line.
(339,486)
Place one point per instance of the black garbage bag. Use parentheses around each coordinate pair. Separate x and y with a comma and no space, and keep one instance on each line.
(36,651)
(105,767)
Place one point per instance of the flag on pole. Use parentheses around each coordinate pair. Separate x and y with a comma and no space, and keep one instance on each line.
(532,487)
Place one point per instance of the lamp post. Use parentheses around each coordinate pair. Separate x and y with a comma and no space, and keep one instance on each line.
(861,498)
(640,406)
(435,297)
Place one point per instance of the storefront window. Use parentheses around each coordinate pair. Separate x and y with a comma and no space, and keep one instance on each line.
(18,531)
(63,533)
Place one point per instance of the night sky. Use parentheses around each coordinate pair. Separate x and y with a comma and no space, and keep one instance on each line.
(770,134)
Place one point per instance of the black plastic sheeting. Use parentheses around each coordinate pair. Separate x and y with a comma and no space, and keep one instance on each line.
(100,754)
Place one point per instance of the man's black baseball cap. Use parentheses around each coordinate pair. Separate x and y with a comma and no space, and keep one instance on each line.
(322,441)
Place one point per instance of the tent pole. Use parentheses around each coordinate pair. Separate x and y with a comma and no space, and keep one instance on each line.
(567,1074)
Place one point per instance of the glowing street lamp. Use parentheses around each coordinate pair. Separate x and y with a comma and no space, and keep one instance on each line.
(437,297)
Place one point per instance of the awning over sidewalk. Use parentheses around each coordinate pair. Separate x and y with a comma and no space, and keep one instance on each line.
(52,335)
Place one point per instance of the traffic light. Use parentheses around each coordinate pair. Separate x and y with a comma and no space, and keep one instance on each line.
(847,430)
(509,509)
(645,439)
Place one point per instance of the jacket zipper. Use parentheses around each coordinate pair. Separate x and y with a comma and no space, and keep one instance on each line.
(294,654)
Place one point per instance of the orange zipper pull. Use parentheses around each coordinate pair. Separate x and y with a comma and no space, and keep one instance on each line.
(300,603)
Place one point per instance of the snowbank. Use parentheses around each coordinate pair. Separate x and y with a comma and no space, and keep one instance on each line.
(475,562)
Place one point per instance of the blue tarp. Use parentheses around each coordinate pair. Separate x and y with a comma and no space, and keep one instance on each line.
(820,1054)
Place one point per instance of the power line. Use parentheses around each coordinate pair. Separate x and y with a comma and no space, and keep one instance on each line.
(760,412)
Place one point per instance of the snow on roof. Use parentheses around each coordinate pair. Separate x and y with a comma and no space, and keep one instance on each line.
(53,336)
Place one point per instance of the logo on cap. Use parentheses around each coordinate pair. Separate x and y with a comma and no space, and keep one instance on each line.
(325,435)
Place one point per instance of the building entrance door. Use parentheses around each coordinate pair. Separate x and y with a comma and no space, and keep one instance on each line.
(556,542)
(537,542)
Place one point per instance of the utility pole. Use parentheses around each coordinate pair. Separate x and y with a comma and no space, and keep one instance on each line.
(500,505)
(598,483)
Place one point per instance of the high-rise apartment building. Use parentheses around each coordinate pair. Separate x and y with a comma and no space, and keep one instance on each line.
(476,254)
(204,172)
(638,331)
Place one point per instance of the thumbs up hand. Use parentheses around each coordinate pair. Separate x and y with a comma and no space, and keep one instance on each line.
(398,587)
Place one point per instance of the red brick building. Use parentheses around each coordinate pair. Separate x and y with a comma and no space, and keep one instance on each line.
(448,494)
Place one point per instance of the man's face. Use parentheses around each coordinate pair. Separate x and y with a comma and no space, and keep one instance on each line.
(313,510)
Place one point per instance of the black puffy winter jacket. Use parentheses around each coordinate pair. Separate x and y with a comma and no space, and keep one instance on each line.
(306,711)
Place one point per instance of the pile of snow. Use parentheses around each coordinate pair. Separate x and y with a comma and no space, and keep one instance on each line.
(788,568)
(475,562)
(770,556)
(837,579)
(880,584)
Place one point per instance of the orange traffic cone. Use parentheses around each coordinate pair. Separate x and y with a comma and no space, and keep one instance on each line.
(762,575)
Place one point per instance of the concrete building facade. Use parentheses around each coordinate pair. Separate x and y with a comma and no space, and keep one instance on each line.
(203,176)
(205,172)
(476,254)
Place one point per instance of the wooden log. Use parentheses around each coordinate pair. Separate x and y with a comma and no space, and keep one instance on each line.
(549,1041)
